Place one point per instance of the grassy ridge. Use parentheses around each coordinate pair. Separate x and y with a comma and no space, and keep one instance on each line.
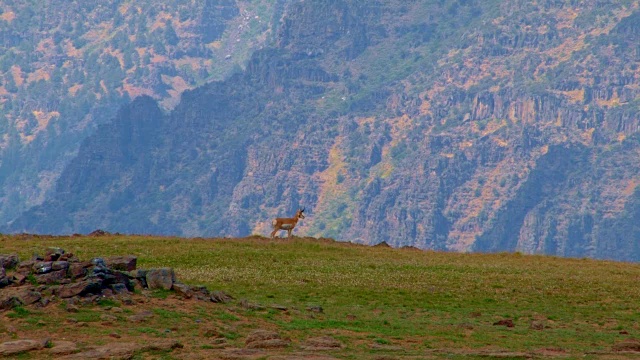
(416,300)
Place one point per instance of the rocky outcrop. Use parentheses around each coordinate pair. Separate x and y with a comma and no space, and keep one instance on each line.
(33,155)
(38,282)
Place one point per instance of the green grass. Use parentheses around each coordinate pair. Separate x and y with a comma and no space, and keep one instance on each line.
(160,293)
(415,299)
(19,312)
(107,302)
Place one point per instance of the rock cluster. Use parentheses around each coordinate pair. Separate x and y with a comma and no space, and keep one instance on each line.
(62,275)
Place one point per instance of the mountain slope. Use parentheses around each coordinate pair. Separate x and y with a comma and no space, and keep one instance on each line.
(458,125)
(66,67)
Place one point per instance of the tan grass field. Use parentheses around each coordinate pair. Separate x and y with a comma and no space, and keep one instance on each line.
(379,303)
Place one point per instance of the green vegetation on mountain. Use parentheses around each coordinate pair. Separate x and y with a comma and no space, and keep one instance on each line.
(457,125)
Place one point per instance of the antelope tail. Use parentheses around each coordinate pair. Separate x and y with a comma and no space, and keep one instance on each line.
(274,223)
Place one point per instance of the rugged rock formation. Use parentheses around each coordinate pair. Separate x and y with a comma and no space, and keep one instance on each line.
(66,67)
(61,275)
(442,125)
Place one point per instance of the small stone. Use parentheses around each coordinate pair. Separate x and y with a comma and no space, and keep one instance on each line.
(115,335)
(88,301)
(162,345)
(505,322)
(60,265)
(78,269)
(200,289)
(183,290)
(140,317)
(117,310)
(536,325)
(123,263)
(19,279)
(630,345)
(4,280)
(265,339)
(315,309)
(80,288)
(51,277)
(126,300)
(12,297)
(141,276)
(61,348)
(9,261)
(117,350)
(66,257)
(279,307)
(54,252)
(42,267)
(46,301)
(250,306)
(219,341)
(135,283)
(108,318)
(98,262)
(321,343)
(71,308)
(25,267)
(385,347)
(74,300)
(220,297)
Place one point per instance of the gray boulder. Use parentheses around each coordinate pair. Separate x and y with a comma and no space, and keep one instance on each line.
(162,278)
(89,286)
(9,261)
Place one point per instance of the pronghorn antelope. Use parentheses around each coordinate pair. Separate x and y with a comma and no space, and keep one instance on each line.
(286,223)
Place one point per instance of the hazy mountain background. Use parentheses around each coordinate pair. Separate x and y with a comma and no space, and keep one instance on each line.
(67,66)
(453,125)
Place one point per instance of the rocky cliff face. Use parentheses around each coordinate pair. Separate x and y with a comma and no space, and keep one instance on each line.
(466,126)
(66,67)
